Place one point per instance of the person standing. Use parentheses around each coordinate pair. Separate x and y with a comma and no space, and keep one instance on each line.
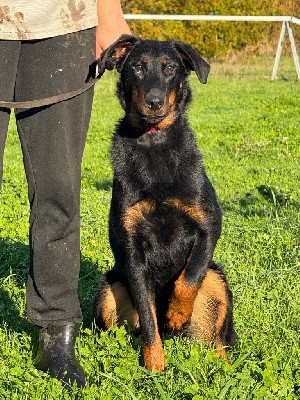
(49,47)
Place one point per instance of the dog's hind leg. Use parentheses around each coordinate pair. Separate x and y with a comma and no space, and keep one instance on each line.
(212,320)
(187,285)
(113,305)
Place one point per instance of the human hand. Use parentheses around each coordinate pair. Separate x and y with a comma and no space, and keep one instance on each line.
(112,24)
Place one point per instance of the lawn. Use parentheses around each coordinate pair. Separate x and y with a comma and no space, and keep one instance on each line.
(248,129)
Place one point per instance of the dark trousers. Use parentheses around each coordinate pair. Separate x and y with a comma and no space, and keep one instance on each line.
(52,140)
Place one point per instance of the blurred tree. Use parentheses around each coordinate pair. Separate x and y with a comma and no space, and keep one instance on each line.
(214,39)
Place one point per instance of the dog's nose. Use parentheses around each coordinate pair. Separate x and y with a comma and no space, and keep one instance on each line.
(154,101)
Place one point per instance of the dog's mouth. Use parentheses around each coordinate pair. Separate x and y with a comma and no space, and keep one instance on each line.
(152,120)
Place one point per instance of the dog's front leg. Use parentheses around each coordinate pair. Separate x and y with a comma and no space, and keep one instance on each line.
(187,285)
(144,302)
(141,285)
(152,348)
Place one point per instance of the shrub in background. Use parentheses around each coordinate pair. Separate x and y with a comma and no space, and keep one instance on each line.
(214,39)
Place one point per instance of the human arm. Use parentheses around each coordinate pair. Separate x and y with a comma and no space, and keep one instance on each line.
(111,24)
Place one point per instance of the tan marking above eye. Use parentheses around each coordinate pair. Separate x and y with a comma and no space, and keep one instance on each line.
(164,60)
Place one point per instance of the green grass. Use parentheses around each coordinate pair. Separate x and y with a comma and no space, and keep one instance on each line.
(248,130)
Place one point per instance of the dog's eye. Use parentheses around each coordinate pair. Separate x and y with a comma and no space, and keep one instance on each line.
(169,70)
(138,68)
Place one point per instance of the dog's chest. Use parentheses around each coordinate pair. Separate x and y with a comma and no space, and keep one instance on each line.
(163,233)
(157,171)
(156,164)
(163,218)
(163,224)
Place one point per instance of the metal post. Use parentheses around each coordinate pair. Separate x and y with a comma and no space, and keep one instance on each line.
(294,50)
(279,49)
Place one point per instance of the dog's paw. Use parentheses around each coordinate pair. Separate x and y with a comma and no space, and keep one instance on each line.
(154,358)
(221,351)
(178,318)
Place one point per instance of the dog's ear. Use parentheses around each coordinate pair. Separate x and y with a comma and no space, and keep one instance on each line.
(193,60)
(115,55)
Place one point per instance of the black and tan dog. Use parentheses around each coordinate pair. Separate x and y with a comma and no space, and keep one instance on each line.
(164,218)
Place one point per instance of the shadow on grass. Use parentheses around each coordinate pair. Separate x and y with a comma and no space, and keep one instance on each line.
(14,265)
(14,258)
(105,185)
(88,284)
(262,201)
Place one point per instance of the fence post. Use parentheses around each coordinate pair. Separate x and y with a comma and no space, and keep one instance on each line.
(278,52)
(294,50)
(286,25)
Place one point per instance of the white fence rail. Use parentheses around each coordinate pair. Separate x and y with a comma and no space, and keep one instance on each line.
(285,20)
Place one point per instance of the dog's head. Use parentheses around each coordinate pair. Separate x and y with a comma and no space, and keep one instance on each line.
(153,87)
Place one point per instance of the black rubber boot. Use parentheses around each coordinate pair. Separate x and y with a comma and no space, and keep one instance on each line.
(56,353)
